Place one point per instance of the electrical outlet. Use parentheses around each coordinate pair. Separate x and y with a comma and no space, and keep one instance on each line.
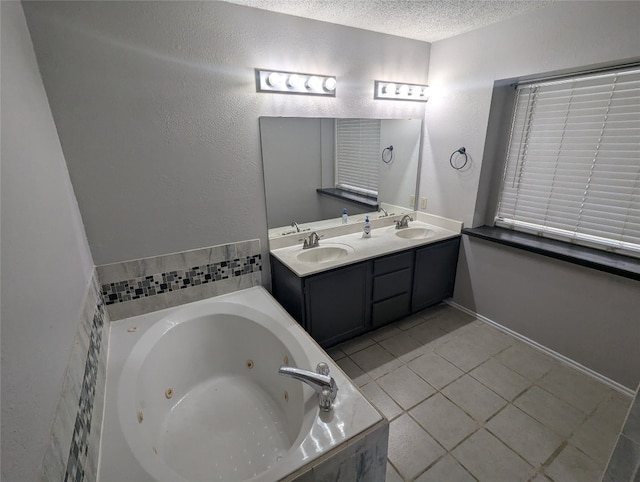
(412,200)
(423,203)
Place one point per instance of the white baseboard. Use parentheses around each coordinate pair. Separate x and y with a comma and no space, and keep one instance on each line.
(568,361)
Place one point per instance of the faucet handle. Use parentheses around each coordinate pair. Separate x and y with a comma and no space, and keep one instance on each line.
(322,368)
(325,400)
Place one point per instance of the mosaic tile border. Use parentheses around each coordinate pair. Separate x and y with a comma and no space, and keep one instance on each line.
(160,283)
(74,444)
(78,452)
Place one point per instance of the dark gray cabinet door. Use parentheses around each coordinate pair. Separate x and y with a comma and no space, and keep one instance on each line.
(337,304)
(435,273)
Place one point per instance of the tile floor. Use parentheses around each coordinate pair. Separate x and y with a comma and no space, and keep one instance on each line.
(467,402)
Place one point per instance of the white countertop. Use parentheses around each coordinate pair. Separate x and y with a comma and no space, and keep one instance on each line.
(384,240)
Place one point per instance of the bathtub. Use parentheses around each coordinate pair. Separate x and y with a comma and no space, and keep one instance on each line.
(194,394)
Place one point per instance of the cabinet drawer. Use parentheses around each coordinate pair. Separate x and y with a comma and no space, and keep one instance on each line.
(395,262)
(390,310)
(392,284)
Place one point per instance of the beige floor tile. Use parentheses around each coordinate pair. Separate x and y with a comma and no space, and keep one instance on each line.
(556,414)
(597,436)
(411,321)
(451,319)
(571,465)
(336,353)
(575,388)
(526,361)
(376,361)
(428,334)
(447,469)
(489,460)
(381,400)
(502,380)
(464,352)
(392,474)
(385,332)
(444,421)
(405,387)
(541,478)
(357,344)
(353,371)
(526,436)
(435,369)
(411,449)
(403,347)
(474,398)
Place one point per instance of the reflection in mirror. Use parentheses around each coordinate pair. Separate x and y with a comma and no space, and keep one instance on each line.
(306,181)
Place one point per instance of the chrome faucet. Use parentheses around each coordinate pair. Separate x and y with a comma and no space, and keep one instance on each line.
(404,222)
(295,225)
(311,241)
(320,380)
(384,211)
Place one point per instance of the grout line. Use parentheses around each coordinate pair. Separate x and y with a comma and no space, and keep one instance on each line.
(554,354)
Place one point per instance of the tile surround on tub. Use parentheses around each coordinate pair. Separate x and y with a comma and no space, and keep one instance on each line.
(73,450)
(140,286)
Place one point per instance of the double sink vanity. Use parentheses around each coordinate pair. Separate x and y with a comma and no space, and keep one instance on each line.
(348,284)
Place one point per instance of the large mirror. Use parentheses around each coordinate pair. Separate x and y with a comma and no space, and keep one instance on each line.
(302,172)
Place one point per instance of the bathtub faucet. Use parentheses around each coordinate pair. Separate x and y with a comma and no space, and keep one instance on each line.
(320,380)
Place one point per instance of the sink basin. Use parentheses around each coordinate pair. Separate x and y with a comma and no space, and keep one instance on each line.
(323,254)
(415,233)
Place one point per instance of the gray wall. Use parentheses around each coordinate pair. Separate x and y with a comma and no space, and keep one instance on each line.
(156,108)
(589,316)
(46,264)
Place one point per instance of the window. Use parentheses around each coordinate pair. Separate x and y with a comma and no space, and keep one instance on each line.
(572,170)
(357,151)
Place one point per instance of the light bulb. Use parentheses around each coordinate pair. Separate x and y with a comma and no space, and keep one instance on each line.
(294,81)
(274,79)
(314,83)
(389,88)
(403,90)
(424,92)
(330,84)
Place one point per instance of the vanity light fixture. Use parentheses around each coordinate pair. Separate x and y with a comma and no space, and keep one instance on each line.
(280,82)
(394,91)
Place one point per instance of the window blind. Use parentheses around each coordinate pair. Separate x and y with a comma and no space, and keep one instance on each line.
(572,170)
(357,152)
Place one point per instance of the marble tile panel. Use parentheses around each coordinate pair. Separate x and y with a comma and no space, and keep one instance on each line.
(625,462)
(465,353)
(428,334)
(385,332)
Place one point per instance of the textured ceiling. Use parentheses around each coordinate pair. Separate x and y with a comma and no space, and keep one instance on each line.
(426,20)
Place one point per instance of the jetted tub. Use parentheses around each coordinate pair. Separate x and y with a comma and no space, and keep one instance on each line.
(194,394)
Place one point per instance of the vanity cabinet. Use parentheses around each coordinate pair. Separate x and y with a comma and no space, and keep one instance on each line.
(339,304)
(434,273)
(332,306)
(392,282)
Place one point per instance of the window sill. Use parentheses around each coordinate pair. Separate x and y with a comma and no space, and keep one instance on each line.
(360,199)
(617,264)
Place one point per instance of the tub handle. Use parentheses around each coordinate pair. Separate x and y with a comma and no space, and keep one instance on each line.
(323,383)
